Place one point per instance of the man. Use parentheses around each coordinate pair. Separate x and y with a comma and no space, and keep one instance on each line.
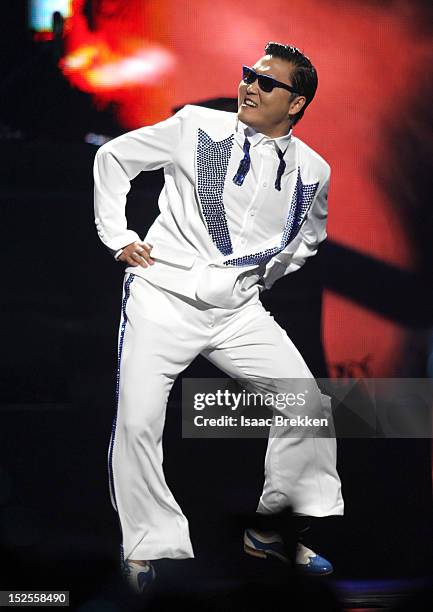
(244,203)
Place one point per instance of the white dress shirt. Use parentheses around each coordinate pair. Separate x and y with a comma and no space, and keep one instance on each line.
(256,210)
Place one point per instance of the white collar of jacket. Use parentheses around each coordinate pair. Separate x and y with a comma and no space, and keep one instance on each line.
(255,137)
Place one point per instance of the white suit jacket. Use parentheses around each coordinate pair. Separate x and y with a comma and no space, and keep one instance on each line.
(191,241)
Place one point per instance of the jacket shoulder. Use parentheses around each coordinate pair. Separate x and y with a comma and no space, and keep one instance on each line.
(203,116)
(206,112)
(311,156)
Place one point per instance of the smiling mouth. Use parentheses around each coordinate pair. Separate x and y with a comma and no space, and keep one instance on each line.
(249,104)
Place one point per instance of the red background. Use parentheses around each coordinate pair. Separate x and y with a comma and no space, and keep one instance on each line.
(186,52)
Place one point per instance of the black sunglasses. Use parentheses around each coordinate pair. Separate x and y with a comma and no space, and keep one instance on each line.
(266,83)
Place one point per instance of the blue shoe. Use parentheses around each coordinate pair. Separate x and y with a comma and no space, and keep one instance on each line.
(310,563)
(139,577)
(270,544)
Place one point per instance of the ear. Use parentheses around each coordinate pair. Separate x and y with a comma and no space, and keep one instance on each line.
(296,105)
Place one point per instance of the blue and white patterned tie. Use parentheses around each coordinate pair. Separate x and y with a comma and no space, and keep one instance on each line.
(281,168)
(244,165)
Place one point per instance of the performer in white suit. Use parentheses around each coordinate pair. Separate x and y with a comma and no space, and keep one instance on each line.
(244,203)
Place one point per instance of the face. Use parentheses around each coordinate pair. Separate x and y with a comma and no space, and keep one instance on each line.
(271,115)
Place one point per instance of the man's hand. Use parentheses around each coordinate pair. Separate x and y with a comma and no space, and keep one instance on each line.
(137,254)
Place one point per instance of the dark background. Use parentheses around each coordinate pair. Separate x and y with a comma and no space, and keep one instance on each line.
(61,309)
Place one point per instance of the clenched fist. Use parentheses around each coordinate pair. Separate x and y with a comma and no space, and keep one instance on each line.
(137,254)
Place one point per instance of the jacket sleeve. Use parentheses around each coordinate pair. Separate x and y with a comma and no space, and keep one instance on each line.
(119,161)
(306,243)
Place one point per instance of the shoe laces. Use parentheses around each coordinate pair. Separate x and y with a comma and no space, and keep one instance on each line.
(305,549)
(304,553)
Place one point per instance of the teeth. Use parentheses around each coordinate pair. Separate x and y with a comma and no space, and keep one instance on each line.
(249,103)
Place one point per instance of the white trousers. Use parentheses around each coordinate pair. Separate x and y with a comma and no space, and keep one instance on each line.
(160,334)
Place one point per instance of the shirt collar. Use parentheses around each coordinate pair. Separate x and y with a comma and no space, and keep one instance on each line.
(256,137)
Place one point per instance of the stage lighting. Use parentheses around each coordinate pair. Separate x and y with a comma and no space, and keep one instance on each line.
(40,16)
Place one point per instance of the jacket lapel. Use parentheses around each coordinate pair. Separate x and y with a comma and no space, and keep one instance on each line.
(212,158)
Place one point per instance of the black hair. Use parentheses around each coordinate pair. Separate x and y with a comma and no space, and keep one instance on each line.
(304,77)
